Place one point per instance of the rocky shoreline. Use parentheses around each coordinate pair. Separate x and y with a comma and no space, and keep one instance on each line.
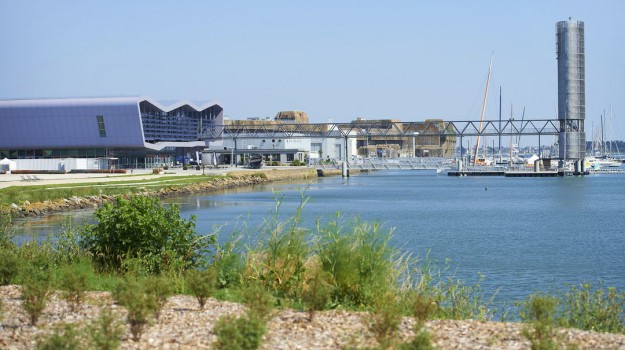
(182,325)
(232,180)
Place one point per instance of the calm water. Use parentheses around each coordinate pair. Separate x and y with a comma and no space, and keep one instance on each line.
(522,234)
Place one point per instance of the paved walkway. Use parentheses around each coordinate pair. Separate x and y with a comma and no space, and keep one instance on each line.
(8,180)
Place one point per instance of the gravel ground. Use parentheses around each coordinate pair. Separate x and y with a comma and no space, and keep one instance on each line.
(183,326)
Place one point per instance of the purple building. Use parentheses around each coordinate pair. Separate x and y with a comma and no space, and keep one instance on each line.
(136,131)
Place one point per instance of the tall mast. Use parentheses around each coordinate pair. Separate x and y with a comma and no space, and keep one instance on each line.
(477,144)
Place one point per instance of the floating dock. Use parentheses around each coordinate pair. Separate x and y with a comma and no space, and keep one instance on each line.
(550,173)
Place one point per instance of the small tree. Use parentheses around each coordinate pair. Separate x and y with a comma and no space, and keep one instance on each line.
(139,303)
(35,290)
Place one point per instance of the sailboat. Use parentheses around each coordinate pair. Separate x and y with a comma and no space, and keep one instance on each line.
(601,158)
(482,160)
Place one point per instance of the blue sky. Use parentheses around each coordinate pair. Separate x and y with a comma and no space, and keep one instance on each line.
(408,60)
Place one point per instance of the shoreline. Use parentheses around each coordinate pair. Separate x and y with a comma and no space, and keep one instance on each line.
(230,178)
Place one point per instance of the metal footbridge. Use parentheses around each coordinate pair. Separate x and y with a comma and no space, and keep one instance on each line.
(405,163)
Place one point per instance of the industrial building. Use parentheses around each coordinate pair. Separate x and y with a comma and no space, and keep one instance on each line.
(92,133)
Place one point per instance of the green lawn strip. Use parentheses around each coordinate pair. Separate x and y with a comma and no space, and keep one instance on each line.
(41,193)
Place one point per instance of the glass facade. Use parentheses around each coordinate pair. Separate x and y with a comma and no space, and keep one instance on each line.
(178,125)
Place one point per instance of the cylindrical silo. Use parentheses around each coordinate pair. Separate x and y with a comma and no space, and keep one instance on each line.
(571,89)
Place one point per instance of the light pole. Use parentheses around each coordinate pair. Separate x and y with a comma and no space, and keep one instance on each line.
(414,148)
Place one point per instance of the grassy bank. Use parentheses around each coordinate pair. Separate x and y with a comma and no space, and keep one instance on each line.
(41,199)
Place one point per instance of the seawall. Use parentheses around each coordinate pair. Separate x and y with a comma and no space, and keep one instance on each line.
(237,178)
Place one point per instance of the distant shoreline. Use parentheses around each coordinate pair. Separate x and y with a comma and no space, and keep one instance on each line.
(229,179)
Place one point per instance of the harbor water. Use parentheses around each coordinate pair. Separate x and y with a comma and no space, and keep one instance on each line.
(522,235)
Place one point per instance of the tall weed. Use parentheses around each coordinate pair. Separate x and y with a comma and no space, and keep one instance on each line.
(360,260)
(600,309)
(278,261)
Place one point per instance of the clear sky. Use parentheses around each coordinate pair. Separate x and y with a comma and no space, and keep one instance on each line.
(408,60)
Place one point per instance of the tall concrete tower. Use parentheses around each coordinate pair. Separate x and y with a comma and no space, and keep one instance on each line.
(571,89)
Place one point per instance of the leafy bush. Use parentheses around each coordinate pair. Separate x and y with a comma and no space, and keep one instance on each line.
(138,302)
(140,228)
(239,333)
(202,284)
(35,288)
(297,162)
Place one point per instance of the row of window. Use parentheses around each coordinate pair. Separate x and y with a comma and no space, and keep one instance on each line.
(52,153)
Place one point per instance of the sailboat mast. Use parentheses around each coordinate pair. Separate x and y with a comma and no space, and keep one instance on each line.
(477,144)
(602,138)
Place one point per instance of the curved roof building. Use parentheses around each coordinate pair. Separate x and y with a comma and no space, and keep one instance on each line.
(90,127)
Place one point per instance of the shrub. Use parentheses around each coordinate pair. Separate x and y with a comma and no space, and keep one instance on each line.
(185,167)
(140,228)
(242,333)
(105,332)
(259,302)
(197,167)
(386,318)
(132,295)
(65,338)
(74,283)
(202,284)
(538,311)
(8,266)
(160,289)
(35,288)
(6,230)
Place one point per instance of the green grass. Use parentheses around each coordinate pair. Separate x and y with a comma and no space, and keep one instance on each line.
(41,193)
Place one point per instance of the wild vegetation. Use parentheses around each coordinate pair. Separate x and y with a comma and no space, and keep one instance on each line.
(144,252)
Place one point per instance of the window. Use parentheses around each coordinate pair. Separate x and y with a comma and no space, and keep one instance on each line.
(101,126)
